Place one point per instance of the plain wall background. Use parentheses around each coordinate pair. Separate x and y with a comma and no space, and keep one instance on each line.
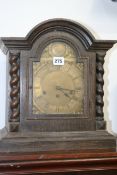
(18,17)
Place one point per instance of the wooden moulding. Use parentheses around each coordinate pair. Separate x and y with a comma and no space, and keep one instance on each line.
(59,163)
(85,36)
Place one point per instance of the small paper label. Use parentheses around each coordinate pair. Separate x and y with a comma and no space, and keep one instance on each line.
(58,60)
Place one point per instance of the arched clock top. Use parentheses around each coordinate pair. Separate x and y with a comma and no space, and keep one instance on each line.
(68,26)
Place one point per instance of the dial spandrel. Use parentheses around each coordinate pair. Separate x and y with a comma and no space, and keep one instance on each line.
(58,89)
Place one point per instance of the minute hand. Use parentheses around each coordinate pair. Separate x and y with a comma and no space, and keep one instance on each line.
(65,93)
(60,88)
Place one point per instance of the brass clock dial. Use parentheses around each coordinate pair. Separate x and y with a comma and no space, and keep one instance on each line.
(58,89)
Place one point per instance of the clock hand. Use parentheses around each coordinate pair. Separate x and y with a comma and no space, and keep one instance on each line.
(63,92)
(66,94)
(71,97)
(60,88)
(70,90)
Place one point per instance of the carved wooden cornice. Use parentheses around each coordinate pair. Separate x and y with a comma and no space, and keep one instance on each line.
(76,29)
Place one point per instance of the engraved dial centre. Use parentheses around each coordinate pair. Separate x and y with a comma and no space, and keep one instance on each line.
(54,95)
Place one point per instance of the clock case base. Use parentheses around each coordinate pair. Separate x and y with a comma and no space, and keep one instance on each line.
(86,141)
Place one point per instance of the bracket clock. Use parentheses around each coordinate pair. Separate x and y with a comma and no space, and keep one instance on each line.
(55,90)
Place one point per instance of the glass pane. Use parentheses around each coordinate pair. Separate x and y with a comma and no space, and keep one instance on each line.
(58,89)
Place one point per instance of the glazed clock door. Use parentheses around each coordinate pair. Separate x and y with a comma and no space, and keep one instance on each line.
(59,85)
(58,89)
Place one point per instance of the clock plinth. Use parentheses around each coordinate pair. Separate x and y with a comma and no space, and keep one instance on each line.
(96,141)
(56,107)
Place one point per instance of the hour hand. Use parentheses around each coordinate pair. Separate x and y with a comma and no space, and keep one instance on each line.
(67,92)
(58,88)
(62,90)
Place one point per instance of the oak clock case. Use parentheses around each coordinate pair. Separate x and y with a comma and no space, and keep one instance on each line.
(55,107)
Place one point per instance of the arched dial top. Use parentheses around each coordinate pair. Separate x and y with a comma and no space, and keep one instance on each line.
(58,89)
